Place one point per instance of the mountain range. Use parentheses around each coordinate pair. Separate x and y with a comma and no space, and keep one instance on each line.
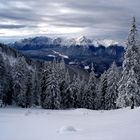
(80,51)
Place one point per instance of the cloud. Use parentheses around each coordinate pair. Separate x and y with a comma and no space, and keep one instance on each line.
(4,26)
(96,18)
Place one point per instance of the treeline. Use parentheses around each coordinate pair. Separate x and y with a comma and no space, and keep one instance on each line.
(49,85)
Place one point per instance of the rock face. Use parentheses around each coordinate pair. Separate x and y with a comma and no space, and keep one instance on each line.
(76,51)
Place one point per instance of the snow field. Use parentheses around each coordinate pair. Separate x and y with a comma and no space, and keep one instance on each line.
(78,124)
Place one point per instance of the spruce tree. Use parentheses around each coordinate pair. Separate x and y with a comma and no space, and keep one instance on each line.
(29,89)
(20,79)
(79,89)
(131,65)
(2,77)
(45,71)
(36,89)
(51,98)
(65,91)
(112,87)
(89,95)
(103,91)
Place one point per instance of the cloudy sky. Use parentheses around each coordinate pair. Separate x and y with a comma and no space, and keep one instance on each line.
(109,19)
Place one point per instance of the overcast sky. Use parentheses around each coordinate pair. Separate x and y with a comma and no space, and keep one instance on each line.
(109,19)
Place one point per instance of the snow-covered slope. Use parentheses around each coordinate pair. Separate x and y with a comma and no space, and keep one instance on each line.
(79,124)
(10,59)
(11,56)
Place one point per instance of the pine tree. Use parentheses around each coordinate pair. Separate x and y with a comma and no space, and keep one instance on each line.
(51,92)
(62,80)
(70,93)
(75,91)
(61,70)
(45,71)
(5,82)
(78,91)
(90,91)
(112,87)
(131,65)
(102,91)
(36,89)
(65,92)
(2,77)
(97,101)
(83,83)
(20,78)
(132,89)
(8,89)
(29,89)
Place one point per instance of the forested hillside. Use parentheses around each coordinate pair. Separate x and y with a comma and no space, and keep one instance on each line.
(53,85)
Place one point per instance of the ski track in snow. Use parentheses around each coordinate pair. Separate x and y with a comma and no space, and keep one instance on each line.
(78,124)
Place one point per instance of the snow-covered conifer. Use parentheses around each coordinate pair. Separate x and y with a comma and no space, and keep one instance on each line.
(90,91)
(102,91)
(19,81)
(112,87)
(131,65)
(51,92)
(36,89)
(65,91)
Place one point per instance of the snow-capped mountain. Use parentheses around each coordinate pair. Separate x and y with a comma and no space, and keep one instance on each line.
(81,50)
(105,43)
(41,42)
(84,41)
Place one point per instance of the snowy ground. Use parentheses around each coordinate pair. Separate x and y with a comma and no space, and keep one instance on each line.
(79,124)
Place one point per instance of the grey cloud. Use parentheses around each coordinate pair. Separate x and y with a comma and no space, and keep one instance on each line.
(99,18)
(68,25)
(4,26)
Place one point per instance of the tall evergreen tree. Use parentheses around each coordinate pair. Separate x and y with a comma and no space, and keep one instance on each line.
(29,89)
(51,92)
(20,78)
(102,91)
(112,87)
(79,89)
(132,92)
(2,77)
(65,91)
(131,65)
(36,89)
(45,71)
(90,91)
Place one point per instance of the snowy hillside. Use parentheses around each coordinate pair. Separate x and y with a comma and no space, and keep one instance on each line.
(80,124)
